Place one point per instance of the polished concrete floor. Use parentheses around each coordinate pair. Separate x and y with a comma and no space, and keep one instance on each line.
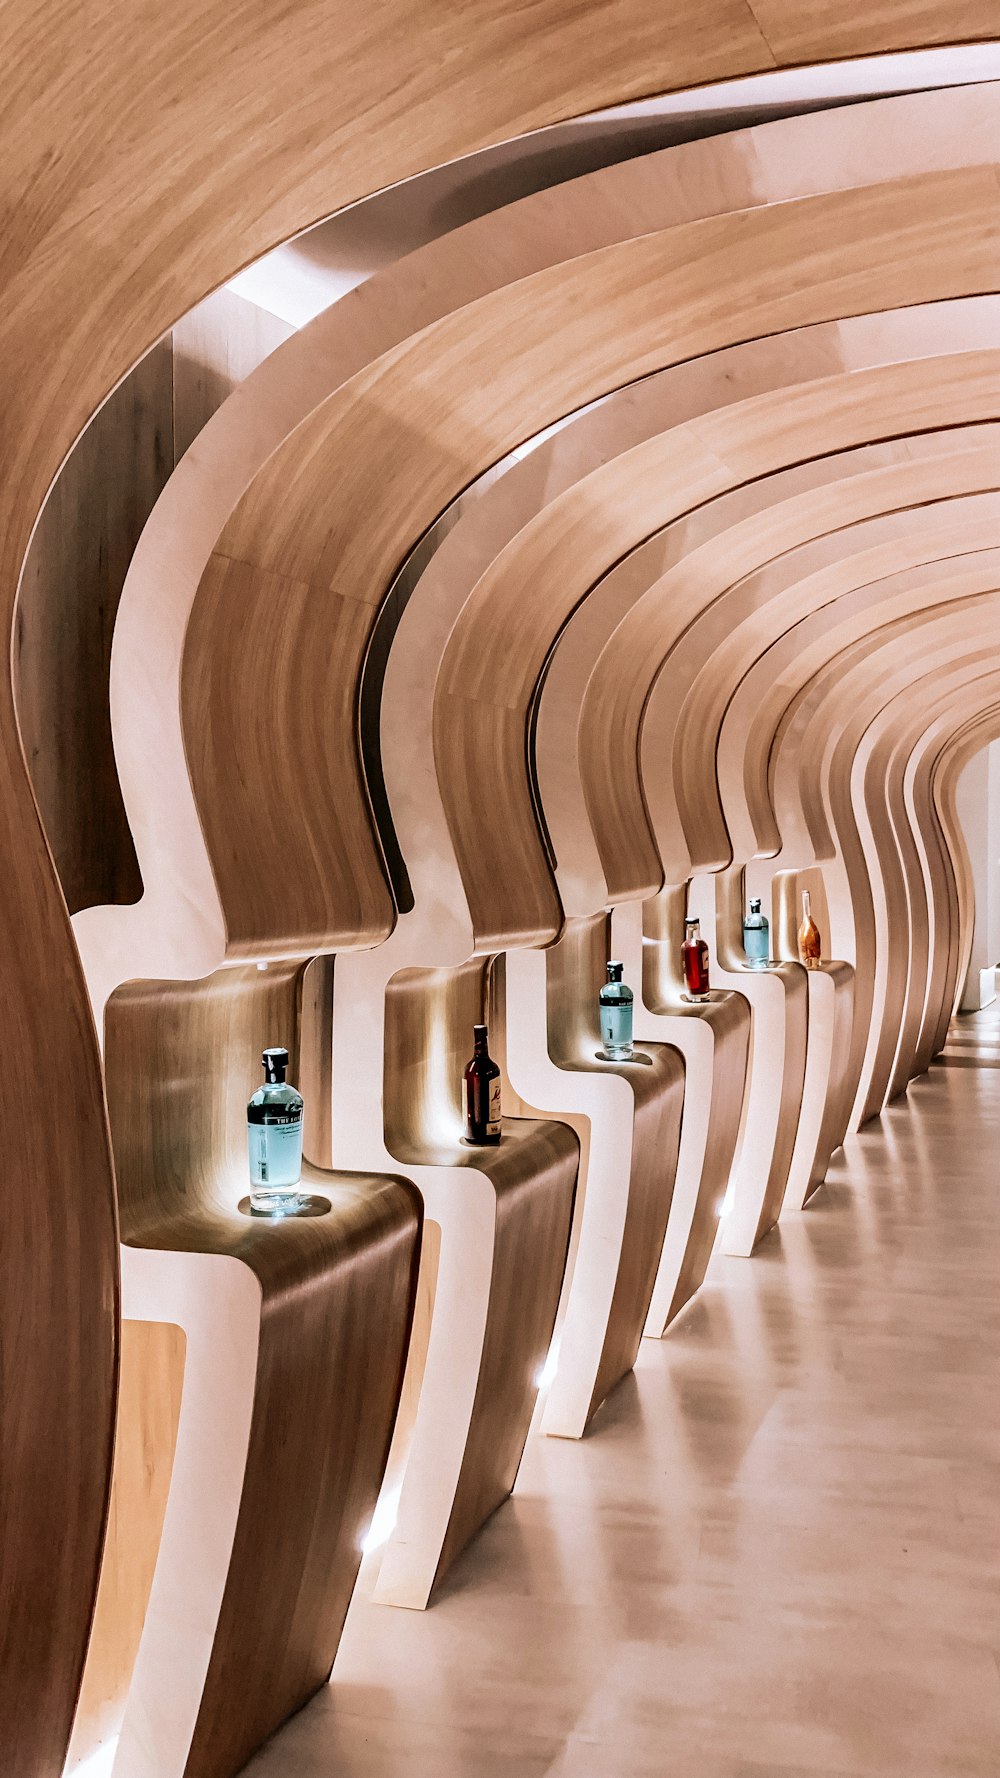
(777,1553)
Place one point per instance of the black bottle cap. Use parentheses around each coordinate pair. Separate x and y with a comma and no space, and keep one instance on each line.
(275,1061)
(615,972)
(480,1030)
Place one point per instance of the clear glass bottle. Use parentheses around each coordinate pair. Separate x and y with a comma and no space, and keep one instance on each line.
(482,1092)
(616,1002)
(694,959)
(810,943)
(274,1139)
(756,936)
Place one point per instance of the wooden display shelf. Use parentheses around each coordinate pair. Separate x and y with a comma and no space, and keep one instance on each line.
(714,1038)
(504,1214)
(297,1331)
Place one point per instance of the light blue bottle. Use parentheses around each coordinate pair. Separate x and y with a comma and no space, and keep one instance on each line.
(616,1016)
(756,937)
(274,1140)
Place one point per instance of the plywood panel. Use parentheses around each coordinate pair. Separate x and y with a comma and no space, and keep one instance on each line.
(152,1373)
(73,577)
(216,345)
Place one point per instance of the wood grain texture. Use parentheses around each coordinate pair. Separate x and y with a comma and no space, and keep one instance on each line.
(72,581)
(215,346)
(58,1327)
(149,1400)
(336,1302)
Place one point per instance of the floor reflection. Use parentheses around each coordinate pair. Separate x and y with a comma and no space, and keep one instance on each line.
(775,1555)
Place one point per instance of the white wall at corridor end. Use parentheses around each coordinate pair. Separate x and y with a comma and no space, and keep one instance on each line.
(978,803)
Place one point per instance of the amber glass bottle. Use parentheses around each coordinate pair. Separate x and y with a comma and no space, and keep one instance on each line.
(694,957)
(482,1092)
(810,943)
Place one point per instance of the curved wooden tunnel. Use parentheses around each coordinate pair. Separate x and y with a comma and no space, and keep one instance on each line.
(625,550)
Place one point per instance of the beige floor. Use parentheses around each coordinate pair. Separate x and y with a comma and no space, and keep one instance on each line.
(778,1552)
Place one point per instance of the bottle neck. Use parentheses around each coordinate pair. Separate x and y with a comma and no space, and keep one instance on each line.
(481,1041)
(806,904)
(694,929)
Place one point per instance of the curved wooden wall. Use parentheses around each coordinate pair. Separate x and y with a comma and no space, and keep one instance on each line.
(246,624)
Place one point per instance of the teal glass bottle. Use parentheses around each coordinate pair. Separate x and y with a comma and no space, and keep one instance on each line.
(274,1140)
(756,936)
(616,1016)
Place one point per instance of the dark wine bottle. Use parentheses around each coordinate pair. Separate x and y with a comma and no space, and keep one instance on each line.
(482,1092)
(694,958)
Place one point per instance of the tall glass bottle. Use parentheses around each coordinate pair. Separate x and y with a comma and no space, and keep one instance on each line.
(810,943)
(274,1140)
(756,936)
(694,958)
(482,1092)
(616,1016)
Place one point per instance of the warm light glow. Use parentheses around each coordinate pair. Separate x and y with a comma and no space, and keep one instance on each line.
(548,1371)
(97,1764)
(439,1117)
(383,1522)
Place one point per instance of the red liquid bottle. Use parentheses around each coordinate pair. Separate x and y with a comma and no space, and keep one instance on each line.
(482,1093)
(694,957)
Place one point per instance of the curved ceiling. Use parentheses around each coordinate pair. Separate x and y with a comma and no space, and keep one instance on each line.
(830,487)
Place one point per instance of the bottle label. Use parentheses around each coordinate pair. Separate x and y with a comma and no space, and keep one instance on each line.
(493,1121)
(276,1151)
(616,1026)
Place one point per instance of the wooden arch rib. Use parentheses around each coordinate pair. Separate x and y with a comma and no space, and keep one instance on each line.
(946,693)
(817,744)
(950,751)
(705,666)
(742,575)
(902,960)
(919,603)
(520,492)
(932,861)
(849,599)
(321,543)
(574,542)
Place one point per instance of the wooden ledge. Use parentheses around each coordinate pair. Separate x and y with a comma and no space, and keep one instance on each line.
(284,1252)
(527,1145)
(647,1082)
